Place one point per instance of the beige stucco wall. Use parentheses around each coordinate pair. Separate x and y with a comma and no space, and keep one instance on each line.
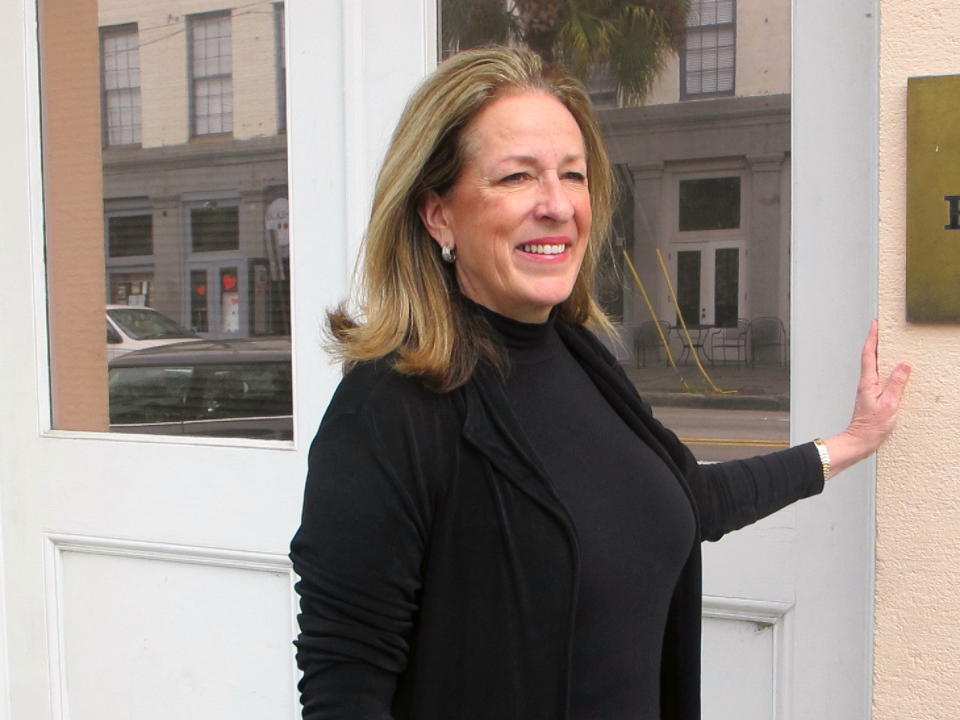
(917,648)
(164,78)
(763,54)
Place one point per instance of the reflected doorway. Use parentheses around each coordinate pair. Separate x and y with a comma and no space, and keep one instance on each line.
(216,302)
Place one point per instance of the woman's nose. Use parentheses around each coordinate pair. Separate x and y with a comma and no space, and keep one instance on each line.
(553,203)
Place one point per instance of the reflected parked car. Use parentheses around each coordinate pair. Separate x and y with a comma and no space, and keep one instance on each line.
(131,327)
(206,388)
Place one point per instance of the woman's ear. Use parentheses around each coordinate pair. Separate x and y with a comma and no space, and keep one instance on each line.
(434,217)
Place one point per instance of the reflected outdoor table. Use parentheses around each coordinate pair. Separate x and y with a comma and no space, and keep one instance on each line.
(698,340)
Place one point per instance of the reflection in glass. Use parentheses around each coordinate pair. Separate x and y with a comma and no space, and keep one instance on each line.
(726,287)
(688,286)
(199,315)
(229,302)
(710,204)
(211,73)
(709,56)
(130,235)
(215,228)
(672,82)
(238,390)
(120,67)
(144,324)
(172,169)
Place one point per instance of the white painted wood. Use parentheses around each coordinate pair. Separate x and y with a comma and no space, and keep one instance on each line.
(197,506)
(205,634)
(817,556)
(835,297)
(746,658)
(159,497)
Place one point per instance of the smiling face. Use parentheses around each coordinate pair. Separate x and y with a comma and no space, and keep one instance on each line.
(519,214)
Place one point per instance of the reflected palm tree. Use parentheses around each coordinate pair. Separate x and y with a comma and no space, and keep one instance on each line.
(624,42)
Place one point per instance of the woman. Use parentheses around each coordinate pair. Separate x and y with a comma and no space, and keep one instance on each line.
(494,524)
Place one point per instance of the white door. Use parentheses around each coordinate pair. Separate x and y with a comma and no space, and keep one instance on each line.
(148,578)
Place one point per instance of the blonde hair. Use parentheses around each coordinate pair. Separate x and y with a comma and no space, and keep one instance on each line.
(411,307)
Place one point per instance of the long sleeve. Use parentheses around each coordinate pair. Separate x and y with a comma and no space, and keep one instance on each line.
(358,553)
(733,494)
(727,495)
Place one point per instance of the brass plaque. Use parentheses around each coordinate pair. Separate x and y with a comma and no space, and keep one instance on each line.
(933,199)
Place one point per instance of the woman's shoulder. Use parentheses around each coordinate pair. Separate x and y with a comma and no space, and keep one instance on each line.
(375,391)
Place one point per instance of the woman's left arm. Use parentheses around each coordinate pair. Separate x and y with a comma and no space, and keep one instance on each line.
(732,494)
(874,410)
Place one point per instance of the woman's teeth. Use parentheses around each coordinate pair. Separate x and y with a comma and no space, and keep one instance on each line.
(544,249)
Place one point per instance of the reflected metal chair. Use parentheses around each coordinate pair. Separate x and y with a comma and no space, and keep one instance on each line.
(646,338)
(734,338)
(693,342)
(767,332)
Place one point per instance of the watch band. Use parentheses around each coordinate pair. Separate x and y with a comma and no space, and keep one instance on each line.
(824,457)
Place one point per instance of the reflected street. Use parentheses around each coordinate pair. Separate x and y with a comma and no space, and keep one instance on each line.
(716,435)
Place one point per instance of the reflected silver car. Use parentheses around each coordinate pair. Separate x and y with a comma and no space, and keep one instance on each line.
(205,388)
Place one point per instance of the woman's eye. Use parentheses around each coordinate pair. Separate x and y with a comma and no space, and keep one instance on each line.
(515,177)
(576,176)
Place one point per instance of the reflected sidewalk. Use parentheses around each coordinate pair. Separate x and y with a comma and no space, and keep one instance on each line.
(764,387)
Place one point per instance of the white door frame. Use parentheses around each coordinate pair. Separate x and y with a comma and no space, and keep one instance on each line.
(834,297)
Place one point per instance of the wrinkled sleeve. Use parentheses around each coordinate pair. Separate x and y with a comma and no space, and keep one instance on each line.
(733,494)
(358,554)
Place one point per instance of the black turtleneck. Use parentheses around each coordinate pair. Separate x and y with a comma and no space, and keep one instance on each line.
(633,520)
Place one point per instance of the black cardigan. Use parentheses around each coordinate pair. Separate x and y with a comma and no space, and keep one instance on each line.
(439,570)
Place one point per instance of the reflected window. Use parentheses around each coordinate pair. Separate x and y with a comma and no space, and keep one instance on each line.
(129,235)
(129,249)
(710,204)
(120,82)
(144,223)
(279,24)
(130,288)
(215,228)
(727,287)
(211,70)
(708,63)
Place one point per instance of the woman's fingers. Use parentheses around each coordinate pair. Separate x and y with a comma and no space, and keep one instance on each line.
(893,389)
(875,409)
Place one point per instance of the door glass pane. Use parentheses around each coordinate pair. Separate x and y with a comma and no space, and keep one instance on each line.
(165,174)
(688,286)
(710,204)
(707,190)
(199,315)
(215,228)
(726,287)
(229,302)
